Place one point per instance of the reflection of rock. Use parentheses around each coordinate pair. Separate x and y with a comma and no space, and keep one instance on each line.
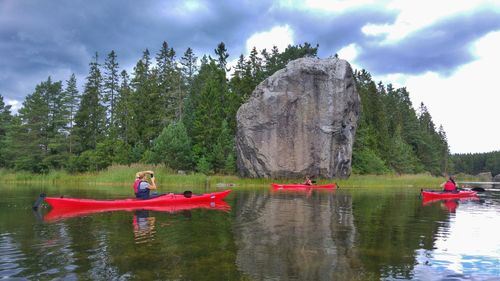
(282,237)
(301,120)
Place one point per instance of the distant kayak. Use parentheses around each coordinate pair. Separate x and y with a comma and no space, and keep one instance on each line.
(160,201)
(64,213)
(428,194)
(302,186)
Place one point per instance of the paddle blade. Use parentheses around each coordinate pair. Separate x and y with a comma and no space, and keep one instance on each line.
(188,193)
(39,201)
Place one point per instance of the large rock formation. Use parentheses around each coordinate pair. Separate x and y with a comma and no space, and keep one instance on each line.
(300,121)
(496,178)
(485,176)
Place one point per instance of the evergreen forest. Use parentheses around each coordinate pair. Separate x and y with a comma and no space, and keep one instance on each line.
(179,110)
(475,163)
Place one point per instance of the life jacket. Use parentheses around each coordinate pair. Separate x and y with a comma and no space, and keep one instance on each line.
(137,182)
(449,186)
(140,193)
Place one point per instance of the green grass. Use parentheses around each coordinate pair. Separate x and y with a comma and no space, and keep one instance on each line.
(119,175)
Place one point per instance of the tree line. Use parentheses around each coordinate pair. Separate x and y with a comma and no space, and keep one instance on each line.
(181,112)
(475,163)
(392,136)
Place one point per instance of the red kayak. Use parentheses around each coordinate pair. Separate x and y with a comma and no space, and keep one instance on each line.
(447,195)
(160,201)
(63,213)
(302,186)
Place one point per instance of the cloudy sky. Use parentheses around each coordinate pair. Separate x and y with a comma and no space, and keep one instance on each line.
(446,52)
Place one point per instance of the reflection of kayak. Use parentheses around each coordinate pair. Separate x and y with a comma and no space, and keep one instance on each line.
(428,201)
(447,195)
(62,213)
(160,201)
(298,186)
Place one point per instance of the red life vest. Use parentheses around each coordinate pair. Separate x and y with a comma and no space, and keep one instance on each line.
(449,186)
(136,185)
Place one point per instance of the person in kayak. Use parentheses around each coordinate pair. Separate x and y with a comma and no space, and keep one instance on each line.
(142,186)
(449,185)
(307,181)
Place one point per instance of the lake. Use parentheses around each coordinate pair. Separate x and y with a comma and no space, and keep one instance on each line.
(260,234)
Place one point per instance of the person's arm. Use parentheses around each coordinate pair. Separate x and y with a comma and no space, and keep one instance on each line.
(152,185)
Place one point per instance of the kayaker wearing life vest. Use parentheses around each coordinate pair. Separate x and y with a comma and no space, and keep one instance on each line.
(449,185)
(142,186)
(307,181)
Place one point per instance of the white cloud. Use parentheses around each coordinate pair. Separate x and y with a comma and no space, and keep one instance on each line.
(16,105)
(337,5)
(465,103)
(349,53)
(415,15)
(279,36)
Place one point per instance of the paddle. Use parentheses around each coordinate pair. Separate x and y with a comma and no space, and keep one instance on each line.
(187,194)
(39,201)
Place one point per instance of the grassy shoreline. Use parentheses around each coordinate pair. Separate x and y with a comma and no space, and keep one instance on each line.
(124,175)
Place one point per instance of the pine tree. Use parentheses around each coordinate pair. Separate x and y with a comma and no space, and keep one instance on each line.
(90,120)
(206,109)
(110,89)
(124,108)
(173,147)
(222,56)
(72,101)
(5,125)
(170,85)
(148,109)
(43,121)
(189,69)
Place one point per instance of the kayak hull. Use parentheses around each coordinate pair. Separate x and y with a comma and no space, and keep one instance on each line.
(448,195)
(302,186)
(163,200)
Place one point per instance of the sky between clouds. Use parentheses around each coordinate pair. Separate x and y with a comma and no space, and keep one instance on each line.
(444,52)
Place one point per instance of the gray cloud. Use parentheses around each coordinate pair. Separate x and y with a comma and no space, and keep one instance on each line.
(56,38)
(442,47)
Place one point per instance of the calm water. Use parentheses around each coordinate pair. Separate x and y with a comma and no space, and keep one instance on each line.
(347,234)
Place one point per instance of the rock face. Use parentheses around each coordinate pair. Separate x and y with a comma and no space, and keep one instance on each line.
(300,121)
(496,178)
(486,176)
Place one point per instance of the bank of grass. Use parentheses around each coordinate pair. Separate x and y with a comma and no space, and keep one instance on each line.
(119,175)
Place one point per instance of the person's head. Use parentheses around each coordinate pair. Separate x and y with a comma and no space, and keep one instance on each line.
(140,175)
(451,178)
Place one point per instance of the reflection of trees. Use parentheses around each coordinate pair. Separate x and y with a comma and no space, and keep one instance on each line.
(192,245)
(289,236)
(390,230)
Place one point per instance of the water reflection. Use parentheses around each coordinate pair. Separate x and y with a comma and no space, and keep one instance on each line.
(56,214)
(291,237)
(450,205)
(466,246)
(144,226)
(356,234)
